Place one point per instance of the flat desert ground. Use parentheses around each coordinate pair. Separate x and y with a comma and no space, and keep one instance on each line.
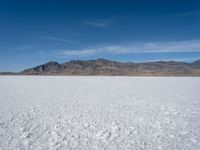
(60,113)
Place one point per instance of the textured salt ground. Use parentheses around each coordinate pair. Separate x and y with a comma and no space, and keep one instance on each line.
(99,113)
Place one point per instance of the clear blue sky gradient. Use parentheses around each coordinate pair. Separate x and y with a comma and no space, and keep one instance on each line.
(37,31)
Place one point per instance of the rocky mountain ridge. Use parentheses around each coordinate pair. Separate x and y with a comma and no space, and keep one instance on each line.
(108,67)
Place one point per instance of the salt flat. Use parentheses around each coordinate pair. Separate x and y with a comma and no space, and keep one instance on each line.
(137,113)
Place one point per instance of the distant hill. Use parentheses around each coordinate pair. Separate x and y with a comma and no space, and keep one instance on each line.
(9,73)
(111,68)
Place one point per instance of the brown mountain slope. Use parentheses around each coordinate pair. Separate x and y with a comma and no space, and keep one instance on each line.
(107,67)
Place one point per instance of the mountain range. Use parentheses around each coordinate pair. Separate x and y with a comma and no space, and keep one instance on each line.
(111,68)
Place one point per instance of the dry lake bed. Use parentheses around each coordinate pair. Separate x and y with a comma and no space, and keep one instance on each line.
(51,112)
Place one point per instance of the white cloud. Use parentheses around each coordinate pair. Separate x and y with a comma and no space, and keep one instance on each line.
(61,40)
(154,47)
(100,23)
(25,47)
(87,52)
(140,47)
(188,14)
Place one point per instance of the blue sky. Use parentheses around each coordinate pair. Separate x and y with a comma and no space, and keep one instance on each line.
(33,32)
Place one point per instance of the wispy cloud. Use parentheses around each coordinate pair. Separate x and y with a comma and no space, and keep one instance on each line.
(80,53)
(131,48)
(189,13)
(25,47)
(71,32)
(52,38)
(101,23)
(154,47)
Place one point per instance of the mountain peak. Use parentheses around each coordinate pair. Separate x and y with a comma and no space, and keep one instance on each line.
(102,59)
(52,63)
(102,66)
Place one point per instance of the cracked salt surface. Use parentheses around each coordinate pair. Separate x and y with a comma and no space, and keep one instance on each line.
(39,113)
